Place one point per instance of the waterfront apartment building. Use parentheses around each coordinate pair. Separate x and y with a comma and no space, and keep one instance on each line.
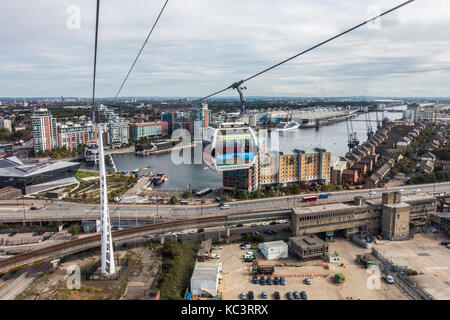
(117,128)
(148,129)
(44,130)
(200,120)
(118,131)
(309,165)
(73,135)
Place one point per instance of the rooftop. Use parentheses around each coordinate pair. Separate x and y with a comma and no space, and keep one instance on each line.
(321,208)
(274,244)
(13,167)
(205,271)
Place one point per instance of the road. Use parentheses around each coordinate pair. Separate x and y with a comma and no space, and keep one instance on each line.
(15,211)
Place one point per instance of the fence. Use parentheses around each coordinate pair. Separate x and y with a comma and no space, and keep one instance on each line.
(405,282)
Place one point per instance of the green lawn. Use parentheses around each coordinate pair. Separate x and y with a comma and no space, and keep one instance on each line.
(84,174)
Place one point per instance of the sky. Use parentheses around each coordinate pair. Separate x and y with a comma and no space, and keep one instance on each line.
(202,46)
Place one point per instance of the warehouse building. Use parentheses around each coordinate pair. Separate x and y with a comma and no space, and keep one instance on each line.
(205,279)
(274,250)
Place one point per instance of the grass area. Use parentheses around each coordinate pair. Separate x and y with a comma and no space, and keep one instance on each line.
(91,293)
(85,174)
(177,267)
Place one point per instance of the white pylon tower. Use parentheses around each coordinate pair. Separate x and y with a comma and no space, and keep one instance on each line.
(108,264)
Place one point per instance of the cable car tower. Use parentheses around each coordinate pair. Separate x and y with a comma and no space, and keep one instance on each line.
(108,266)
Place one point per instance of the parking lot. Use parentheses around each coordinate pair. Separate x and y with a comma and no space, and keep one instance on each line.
(425,254)
(236,276)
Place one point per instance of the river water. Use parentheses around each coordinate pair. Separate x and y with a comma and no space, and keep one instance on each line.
(332,137)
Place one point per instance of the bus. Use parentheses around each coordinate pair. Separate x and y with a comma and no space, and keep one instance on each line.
(309,199)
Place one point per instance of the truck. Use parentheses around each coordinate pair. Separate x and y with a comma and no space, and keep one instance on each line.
(263,269)
(364,260)
(339,278)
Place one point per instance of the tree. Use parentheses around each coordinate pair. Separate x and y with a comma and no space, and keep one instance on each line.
(174,199)
(187,194)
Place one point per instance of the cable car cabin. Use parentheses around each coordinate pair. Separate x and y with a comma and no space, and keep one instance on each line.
(310,199)
(230,146)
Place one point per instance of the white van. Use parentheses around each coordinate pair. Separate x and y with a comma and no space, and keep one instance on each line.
(225,206)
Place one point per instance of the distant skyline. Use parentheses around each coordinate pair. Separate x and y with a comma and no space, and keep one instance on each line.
(202,46)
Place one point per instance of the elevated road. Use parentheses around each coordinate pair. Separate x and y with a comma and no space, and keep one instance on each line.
(16,212)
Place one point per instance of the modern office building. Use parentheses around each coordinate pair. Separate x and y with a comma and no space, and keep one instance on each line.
(36,177)
(148,129)
(73,135)
(44,130)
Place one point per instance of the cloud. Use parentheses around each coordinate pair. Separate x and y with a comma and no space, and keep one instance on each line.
(202,46)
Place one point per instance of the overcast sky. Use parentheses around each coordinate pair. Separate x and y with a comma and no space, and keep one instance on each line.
(201,46)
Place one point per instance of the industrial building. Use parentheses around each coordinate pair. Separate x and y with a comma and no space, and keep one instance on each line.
(394,216)
(306,247)
(274,250)
(205,279)
(36,177)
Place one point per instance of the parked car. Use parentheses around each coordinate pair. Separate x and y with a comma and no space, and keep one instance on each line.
(262,281)
(264,224)
(276,280)
(245,246)
(217,248)
(304,295)
(34,208)
(269,280)
(215,256)
(200,230)
(255,233)
(296,295)
(251,296)
(264,295)
(389,279)
(243,296)
(290,296)
(267,231)
(255,279)
(224,206)
(448,246)
(282,281)
(254,225)
(239,225)
(276,295)
(12,234)
(272,223)
(417,190)
(307,281)
(372,192)
(445,243)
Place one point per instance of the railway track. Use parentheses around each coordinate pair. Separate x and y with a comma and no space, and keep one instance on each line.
(72,246)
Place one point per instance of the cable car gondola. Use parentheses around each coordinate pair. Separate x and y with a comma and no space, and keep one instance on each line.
(230,145)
